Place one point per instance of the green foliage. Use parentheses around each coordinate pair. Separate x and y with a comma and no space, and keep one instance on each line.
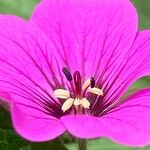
(52,145)
(21,8)
(5,122)
(10,141)
(104,144)
(143,12)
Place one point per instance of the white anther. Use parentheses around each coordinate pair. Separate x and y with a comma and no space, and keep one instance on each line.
(67,104)
(77,102)
(96,91)
(61,93)
(85,103)
(86,84)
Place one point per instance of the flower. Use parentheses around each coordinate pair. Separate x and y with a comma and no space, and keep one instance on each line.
(67,68)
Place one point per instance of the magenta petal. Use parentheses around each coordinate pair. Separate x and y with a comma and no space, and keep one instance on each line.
(27,62)
(136,64)
(88,33)
(128,124)
(35,128)
(83,126)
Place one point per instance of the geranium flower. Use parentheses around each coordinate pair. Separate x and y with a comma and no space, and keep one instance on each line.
(67,68)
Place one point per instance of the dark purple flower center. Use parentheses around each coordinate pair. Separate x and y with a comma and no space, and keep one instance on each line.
(76,98)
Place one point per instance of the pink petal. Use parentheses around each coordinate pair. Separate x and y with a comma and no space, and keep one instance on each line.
(4,96)
(27,63)
(131,120)
(83,126)
(127,124)
(88,33)
(136,64)
(35,128)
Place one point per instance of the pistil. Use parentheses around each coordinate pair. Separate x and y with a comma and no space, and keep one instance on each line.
(78,99)
(77,84)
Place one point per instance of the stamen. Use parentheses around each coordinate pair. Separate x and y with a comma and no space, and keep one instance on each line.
(85,103)
(77,102)
(67,73)
(61,93)
(67,104)
(92,82)
(86,84)
(96,91)
(77,82)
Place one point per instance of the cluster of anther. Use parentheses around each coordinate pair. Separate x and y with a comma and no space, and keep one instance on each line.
(78,101)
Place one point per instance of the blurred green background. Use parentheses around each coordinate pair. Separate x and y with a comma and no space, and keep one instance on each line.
(9,140)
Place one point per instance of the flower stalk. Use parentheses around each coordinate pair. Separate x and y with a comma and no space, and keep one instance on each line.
(82,144)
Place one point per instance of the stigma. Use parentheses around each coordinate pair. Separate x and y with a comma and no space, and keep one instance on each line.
(78,99)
